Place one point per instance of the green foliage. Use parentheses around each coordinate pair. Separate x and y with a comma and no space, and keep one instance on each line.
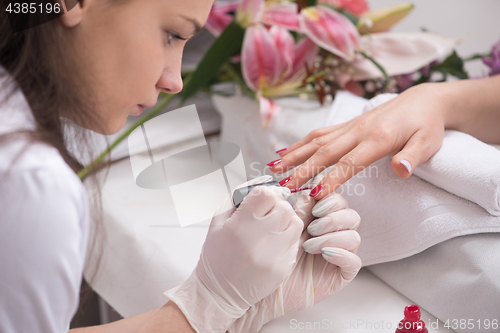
(226,46)
(453,65)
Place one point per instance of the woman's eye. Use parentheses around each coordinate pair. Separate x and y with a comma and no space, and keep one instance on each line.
(171,37)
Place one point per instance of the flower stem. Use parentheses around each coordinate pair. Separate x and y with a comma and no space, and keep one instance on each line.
(387,78)
(85,171)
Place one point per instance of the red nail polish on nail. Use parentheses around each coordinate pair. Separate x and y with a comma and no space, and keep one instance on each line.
(317,190)
(286,180)
(273,163)
(281,150)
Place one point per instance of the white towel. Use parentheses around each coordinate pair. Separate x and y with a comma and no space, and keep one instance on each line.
(402,217)
(463,166)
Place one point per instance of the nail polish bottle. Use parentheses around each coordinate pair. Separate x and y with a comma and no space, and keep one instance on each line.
(411,322)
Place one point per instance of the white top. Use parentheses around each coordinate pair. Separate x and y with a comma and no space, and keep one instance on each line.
(43,231)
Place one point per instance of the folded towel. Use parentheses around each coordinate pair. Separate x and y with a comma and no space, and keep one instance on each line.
(463,166)
(402,217)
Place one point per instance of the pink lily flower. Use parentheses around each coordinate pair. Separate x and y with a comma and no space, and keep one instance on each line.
(219,17)
(330,30)
(273,65)
(355,7)
(282,13)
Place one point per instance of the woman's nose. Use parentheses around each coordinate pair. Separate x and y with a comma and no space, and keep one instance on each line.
(170,81)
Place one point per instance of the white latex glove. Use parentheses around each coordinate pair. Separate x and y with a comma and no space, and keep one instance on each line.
(247,254)
(328,265)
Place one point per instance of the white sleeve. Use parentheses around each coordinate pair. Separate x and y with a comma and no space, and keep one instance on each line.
(43,239)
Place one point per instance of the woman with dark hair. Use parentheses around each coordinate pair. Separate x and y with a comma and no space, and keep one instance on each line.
(100,62)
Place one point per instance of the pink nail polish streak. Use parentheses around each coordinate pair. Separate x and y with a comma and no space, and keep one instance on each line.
(281,150)
(293,190)
(317,190)
(286,180)
(273,163)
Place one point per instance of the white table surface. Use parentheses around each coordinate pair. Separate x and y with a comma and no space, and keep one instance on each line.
(146,252)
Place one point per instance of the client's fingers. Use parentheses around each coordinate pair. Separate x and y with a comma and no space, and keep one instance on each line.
(301,154)
(311,136)
(346,239)
(348,262)
(351,163)
(345,219)
(421,146)
(322,158)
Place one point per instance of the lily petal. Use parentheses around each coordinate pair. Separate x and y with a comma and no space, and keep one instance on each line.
(331,30)
(305,53)
(401,53)
(249,12)
(283,13)
(259,58)
(219,18)
(285,44)
(268,110)
(355,7)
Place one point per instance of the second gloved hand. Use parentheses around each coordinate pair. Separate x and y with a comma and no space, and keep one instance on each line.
(329,264)
(247,254)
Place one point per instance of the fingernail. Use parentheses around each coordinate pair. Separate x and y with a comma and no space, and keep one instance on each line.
(317,190)
(312,244)
(316,227)
(329,251)
(286,180)
(281,150)
(406,164)
(273,163)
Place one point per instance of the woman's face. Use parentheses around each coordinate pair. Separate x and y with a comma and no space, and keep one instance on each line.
(132,51)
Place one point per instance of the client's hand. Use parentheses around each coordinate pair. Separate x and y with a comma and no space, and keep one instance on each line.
(409,127)
(247,254)
(325,264)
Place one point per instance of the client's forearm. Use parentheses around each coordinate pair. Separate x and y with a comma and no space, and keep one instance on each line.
(166,319)
(473,107)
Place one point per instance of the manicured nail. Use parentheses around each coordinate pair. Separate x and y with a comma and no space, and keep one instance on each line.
(317,226)
(329,252)
(313,244)
(281,151)
(273,163)
(406,164)
(286,180)
(317,190)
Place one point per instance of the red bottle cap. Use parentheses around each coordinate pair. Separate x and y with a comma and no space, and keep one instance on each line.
(411,322)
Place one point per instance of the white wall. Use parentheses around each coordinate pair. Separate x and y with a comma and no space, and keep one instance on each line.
(477,21)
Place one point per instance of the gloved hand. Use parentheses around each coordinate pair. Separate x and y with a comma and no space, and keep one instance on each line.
(247,254)
(325,264)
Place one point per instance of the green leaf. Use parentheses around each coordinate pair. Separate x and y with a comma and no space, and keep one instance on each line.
(226,46)
(453,65)
(311,2)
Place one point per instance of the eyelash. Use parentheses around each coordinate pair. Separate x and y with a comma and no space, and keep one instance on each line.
(171,36)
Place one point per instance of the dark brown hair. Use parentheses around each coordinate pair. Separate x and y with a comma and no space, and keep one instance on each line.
(40,62)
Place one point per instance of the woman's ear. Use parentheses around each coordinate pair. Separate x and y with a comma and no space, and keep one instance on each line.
(73,17)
